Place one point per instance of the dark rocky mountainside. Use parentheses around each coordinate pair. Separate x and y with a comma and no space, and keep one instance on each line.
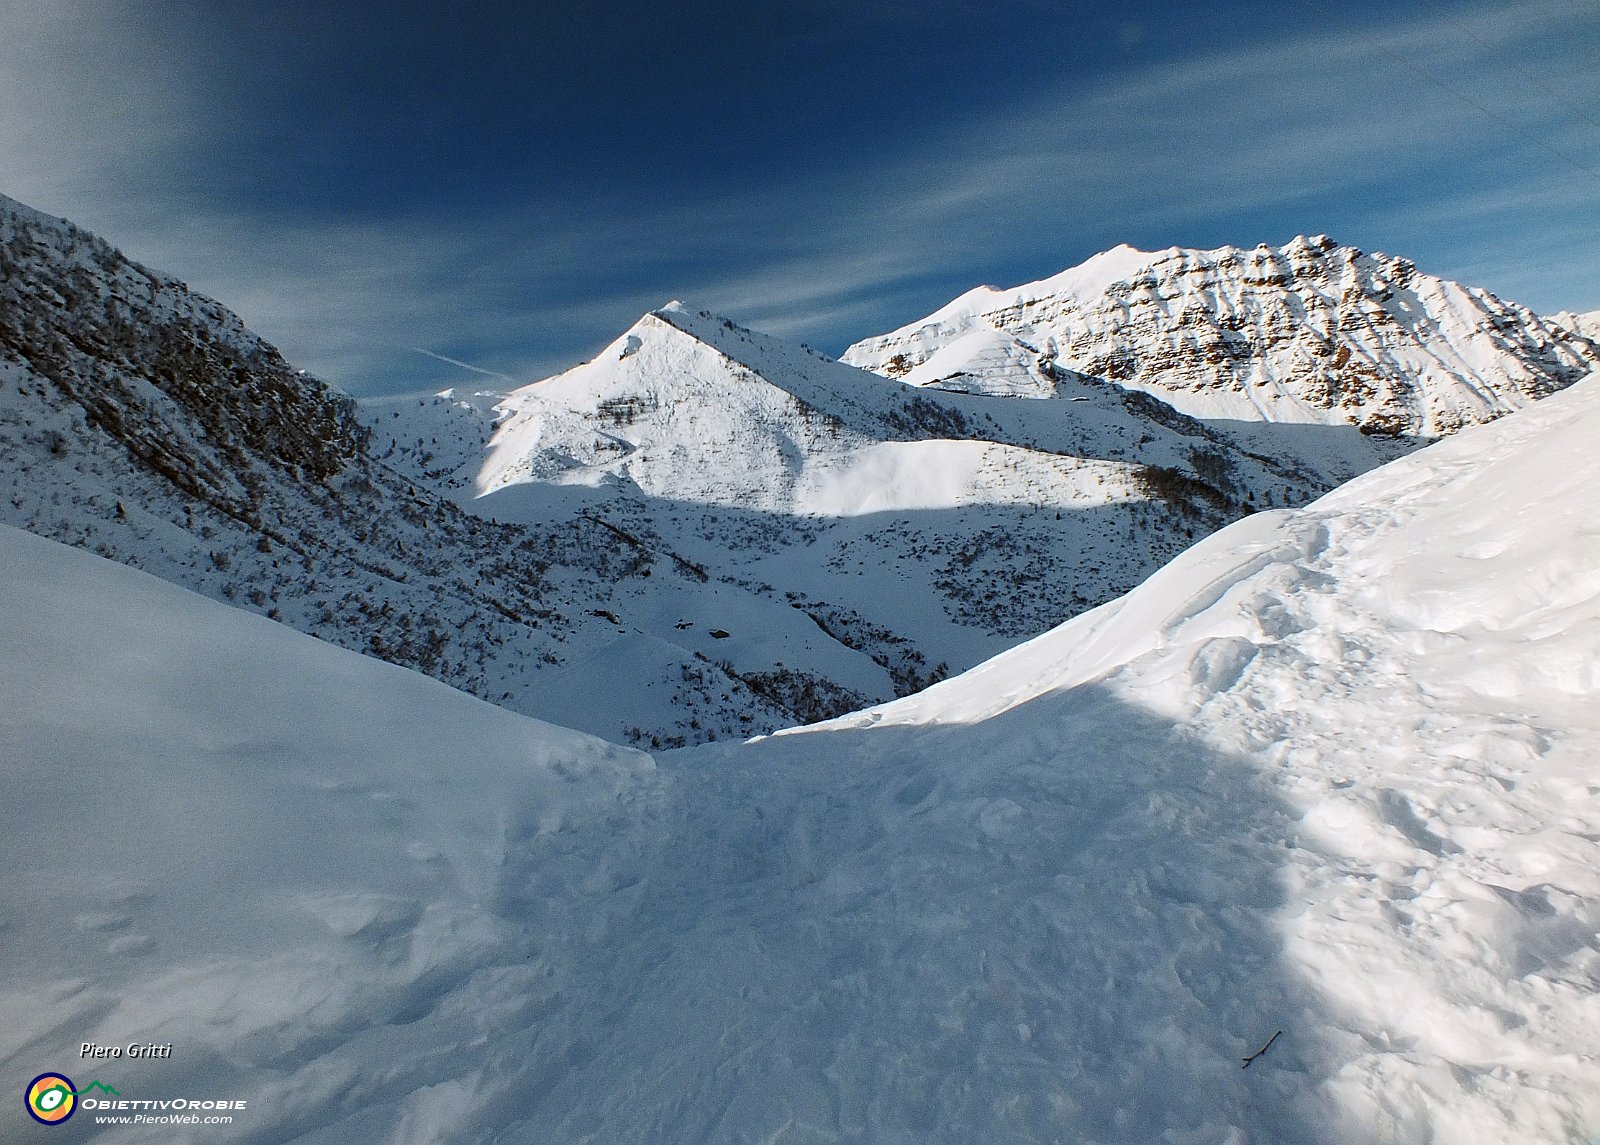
(145,423)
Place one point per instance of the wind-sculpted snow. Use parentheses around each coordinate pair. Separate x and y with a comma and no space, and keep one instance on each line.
(1326,786)
(304,869)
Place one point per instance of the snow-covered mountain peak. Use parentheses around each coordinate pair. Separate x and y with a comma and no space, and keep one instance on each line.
(1089,277)
(748,347)
(697,408)
(684,403)
(1086,279)
(1310,332)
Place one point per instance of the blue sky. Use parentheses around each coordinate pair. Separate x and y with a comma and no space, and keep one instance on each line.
(511,185)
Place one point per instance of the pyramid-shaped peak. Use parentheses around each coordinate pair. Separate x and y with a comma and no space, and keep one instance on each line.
(676,319)
(681,313)
(703,325)
(674,345)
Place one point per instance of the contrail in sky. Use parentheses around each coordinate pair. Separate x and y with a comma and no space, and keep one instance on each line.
(466,365)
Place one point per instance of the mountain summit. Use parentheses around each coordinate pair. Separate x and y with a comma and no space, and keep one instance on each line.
(1310,332)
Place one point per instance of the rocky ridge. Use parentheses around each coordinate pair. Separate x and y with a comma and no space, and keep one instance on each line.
(147,424)
(702,533)
(1310,332)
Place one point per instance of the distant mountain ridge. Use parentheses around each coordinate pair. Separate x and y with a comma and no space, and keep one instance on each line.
(690,405)
(1310,332)
(702,533)
(925,529)
(926,518)
(147,424)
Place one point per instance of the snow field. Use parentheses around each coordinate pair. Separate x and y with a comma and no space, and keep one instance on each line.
(1410,665)
(288,860)
(897,476)
(1283,785)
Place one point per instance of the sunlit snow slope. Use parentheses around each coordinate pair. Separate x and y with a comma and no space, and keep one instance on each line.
(1395,692)
(1332,773)
(917,532)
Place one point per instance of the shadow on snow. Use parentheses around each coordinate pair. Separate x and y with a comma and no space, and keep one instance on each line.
(1057,925)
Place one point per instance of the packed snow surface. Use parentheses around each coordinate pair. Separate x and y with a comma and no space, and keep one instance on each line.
(1331,776)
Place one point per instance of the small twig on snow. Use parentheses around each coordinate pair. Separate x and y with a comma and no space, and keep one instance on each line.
(1262,1050)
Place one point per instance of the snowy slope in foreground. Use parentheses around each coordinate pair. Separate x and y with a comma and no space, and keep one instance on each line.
(1333,773)
(1396,690)
(307,870)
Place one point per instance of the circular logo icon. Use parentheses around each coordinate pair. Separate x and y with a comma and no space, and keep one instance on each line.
(50,1098)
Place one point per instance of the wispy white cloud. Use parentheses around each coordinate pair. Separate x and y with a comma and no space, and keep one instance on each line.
(1330,131)
(88,107)
(1236,130)
(1273,131)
